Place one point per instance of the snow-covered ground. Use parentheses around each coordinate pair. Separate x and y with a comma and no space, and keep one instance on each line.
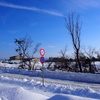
(18,87)
(9,92)
(18,84)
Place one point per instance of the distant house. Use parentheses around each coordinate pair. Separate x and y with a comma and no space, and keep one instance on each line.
(36,59)
(16,58)
(33,59)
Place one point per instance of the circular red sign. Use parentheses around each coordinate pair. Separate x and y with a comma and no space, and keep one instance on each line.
(42,52)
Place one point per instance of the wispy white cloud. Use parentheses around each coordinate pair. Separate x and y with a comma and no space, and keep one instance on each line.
(34,24)
(6,43)
(12,31)
(3,43)
(51,46)
(29,8)
(11,44)
(90,3)
(82,4)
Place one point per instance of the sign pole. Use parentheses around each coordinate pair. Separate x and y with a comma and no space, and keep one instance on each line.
(43,74)
(42,60)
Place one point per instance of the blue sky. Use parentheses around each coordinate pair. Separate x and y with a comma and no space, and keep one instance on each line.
(43,21)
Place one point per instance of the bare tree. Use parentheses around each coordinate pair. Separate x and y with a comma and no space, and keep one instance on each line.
(63,52)
(64,59)
(23,45)
(98,55)
(30,57)
(82,56)
(74,28)
(90,52)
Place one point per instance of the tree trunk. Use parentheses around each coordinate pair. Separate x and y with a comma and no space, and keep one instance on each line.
(30,67)
(77,57)
(90,67)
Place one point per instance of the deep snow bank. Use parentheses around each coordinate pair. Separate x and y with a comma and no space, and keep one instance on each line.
(9,92)
(69,97)
(24,89)
(83,77)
